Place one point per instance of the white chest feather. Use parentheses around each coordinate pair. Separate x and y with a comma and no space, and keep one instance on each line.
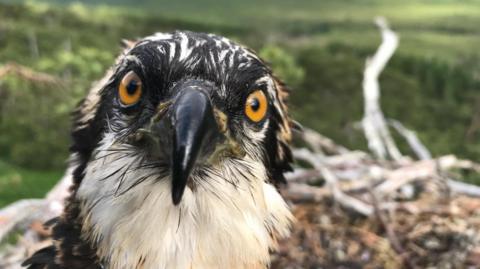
(229,220)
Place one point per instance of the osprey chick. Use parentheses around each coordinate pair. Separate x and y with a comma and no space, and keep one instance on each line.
(175,156)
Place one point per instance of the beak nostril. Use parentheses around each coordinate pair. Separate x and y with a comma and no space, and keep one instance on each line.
(161,111)
(221,119)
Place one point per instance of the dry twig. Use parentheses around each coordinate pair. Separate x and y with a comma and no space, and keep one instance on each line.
(27,74)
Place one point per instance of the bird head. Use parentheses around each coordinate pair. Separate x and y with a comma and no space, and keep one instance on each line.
(186,131)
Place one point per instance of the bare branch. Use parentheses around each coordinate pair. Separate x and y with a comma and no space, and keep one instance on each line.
(420,170)
(331,180)
(320,143)
(21,214)
(415,144)
(304,193)
(27,74)
(374,125)
(464,188)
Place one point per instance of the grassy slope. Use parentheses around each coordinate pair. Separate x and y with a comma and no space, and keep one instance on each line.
(16,183)
(439,28)
(446,29)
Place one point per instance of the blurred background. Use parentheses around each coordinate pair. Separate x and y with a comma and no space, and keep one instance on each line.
(51,51)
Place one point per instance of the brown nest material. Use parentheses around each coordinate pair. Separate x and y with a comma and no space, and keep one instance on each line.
(430,232)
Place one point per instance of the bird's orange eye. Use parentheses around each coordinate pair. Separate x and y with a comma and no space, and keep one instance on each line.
(256,106)
(130,89)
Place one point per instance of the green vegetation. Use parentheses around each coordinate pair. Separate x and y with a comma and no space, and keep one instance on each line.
(317,47)
(18,182)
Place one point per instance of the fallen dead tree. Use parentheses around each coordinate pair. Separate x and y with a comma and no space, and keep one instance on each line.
(27,73)
(354,209)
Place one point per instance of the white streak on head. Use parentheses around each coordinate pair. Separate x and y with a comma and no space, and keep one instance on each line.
(222,91)
(218,43)
(253,139)
(162,50)
(243,65)
(134,59)
(200,42)
(232,59)
(158,37)
(272,92)
(127,60)
(212,58)
(172,46)
(221,56)
(185,51)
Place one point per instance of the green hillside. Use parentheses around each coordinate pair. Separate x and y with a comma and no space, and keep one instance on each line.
(318,47)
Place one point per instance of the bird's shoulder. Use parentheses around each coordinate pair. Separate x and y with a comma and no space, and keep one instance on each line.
(69,250)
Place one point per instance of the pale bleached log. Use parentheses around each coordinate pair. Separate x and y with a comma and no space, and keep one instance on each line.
(302,175)
(380,141)
(20,215)
(299,192)
(350,158)
(59,193)
(419,170)
(411,137)
(332,183)
(320,143)
(463,188)
(12,257)
(27,74)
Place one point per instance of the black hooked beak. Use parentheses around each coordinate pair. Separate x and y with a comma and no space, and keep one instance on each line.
(193,133)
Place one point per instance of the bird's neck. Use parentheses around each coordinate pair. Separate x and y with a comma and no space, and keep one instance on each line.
(226,221)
